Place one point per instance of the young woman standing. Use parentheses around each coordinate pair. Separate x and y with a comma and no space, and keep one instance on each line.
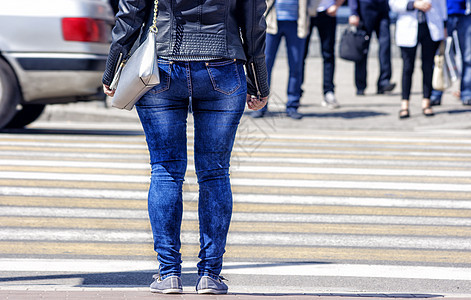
(203,47)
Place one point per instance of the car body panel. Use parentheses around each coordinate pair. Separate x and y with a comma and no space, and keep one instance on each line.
(46,65)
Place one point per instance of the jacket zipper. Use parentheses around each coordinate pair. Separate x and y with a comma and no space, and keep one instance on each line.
(117,72)
(256,81)
(118,63)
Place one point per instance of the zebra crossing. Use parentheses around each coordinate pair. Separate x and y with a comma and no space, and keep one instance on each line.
(347,198)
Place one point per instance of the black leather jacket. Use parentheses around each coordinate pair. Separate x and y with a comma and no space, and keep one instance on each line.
(233,29)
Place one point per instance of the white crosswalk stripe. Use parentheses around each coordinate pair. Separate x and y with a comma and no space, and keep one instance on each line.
(353,186)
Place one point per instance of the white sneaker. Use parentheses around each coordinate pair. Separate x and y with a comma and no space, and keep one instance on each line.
(330,101)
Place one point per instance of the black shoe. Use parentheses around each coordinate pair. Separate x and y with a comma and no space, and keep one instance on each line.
(427,111)
(387,88)
(258,114)
(435,102)
(360,92)
(293,114)
(404,114)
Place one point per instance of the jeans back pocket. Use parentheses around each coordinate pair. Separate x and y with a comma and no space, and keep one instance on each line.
(224,75)
(165,72)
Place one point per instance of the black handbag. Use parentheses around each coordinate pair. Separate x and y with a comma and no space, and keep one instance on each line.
(354,44)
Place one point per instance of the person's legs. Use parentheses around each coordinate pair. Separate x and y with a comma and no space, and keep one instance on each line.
(408,62)
(313,23)
(272,44)
(384,37)
(163,112)
(327,26)
(360,75)
(218,102)
(429,48)
(464,36)
(295,48)
(368,17)
(436,96)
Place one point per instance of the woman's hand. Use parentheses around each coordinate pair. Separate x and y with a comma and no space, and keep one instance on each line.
(108,91)
(255,103)
(422,5)
(354,20)
(332,10)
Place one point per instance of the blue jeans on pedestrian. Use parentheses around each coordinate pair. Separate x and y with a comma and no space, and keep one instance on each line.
(462,25)
(295,49)
(217,90)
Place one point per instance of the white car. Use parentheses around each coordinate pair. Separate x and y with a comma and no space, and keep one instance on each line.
(51,51)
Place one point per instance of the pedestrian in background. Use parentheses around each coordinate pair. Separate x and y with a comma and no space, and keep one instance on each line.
(373,16)
(325,21)
(201,64)
(419,21)
(288,19)
(459,19)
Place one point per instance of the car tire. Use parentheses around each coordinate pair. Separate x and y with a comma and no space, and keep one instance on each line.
(10,95)
(28,114)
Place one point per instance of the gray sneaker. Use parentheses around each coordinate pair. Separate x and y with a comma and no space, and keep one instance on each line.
(170,285)
(209,285)
(330,101)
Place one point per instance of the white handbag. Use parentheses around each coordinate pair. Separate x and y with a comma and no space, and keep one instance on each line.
(441,77)
(139,73)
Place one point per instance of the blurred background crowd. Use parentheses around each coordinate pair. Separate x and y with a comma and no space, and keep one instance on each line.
(418,22)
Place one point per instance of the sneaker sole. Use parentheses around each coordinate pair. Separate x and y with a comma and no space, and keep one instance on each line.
(167,291)
(212,291)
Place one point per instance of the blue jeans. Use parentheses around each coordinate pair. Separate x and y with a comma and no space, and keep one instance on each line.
(375,17)
(295,47)
(462,24)
(217,90)
(326,26)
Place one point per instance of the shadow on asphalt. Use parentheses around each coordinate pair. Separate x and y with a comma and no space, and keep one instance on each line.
(354,114)
(456,111)
(74,131)
(346,114)
(138,278)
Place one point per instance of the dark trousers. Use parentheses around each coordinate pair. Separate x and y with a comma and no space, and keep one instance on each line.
(375,18)
(326,26)
(429,47)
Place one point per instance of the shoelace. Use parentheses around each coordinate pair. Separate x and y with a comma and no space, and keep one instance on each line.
(156,276)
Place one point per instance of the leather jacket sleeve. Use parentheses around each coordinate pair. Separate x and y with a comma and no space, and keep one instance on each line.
(129,20)
(253,31)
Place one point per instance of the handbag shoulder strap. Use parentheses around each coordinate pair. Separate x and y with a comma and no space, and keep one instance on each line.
(153,28)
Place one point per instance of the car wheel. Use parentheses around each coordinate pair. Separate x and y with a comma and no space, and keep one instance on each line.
(28,114)
(10,95)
